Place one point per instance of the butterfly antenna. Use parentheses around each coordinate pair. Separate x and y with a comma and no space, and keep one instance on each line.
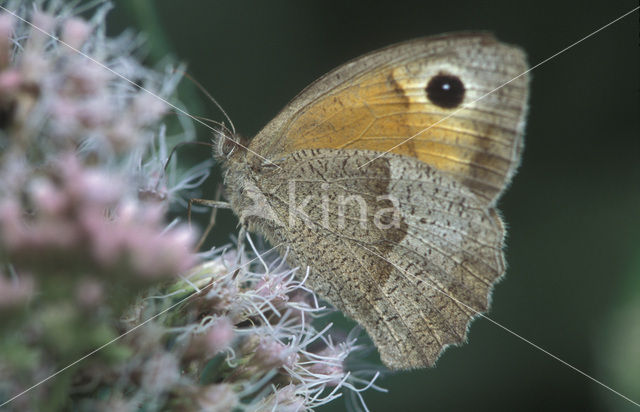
(210,97)
(175,148)
(223,126)
(179,145)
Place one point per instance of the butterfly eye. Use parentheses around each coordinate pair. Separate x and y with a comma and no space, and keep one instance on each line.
(227,146)
(445,90)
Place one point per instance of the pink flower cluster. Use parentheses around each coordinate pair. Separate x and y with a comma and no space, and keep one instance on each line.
(86,248)
(58,95)
(73,217)
(79,155)
(259,325)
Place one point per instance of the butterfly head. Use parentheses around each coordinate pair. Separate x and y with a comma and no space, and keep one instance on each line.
(228,144)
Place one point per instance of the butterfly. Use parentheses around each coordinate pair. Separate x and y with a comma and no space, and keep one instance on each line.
(382,176)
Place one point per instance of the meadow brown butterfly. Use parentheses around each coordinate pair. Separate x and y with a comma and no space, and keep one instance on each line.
(406,242)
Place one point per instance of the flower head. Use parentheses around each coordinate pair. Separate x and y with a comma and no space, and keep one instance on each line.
(89,256)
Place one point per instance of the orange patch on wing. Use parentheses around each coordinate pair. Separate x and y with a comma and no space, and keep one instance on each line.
(377,115)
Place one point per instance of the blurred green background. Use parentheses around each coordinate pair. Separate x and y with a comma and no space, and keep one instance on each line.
(573,211)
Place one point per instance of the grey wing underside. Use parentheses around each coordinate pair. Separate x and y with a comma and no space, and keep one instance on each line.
(414,286)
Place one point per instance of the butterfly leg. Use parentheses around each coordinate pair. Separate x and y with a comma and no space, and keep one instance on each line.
(215,205)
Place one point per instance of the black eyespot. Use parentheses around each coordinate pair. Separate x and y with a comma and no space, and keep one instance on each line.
(445,90)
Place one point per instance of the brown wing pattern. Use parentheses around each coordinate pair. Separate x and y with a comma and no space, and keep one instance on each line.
(414,284)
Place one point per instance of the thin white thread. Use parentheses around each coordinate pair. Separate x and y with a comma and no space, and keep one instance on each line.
(508,330)
(467,105)
(126,333)
(173,106)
